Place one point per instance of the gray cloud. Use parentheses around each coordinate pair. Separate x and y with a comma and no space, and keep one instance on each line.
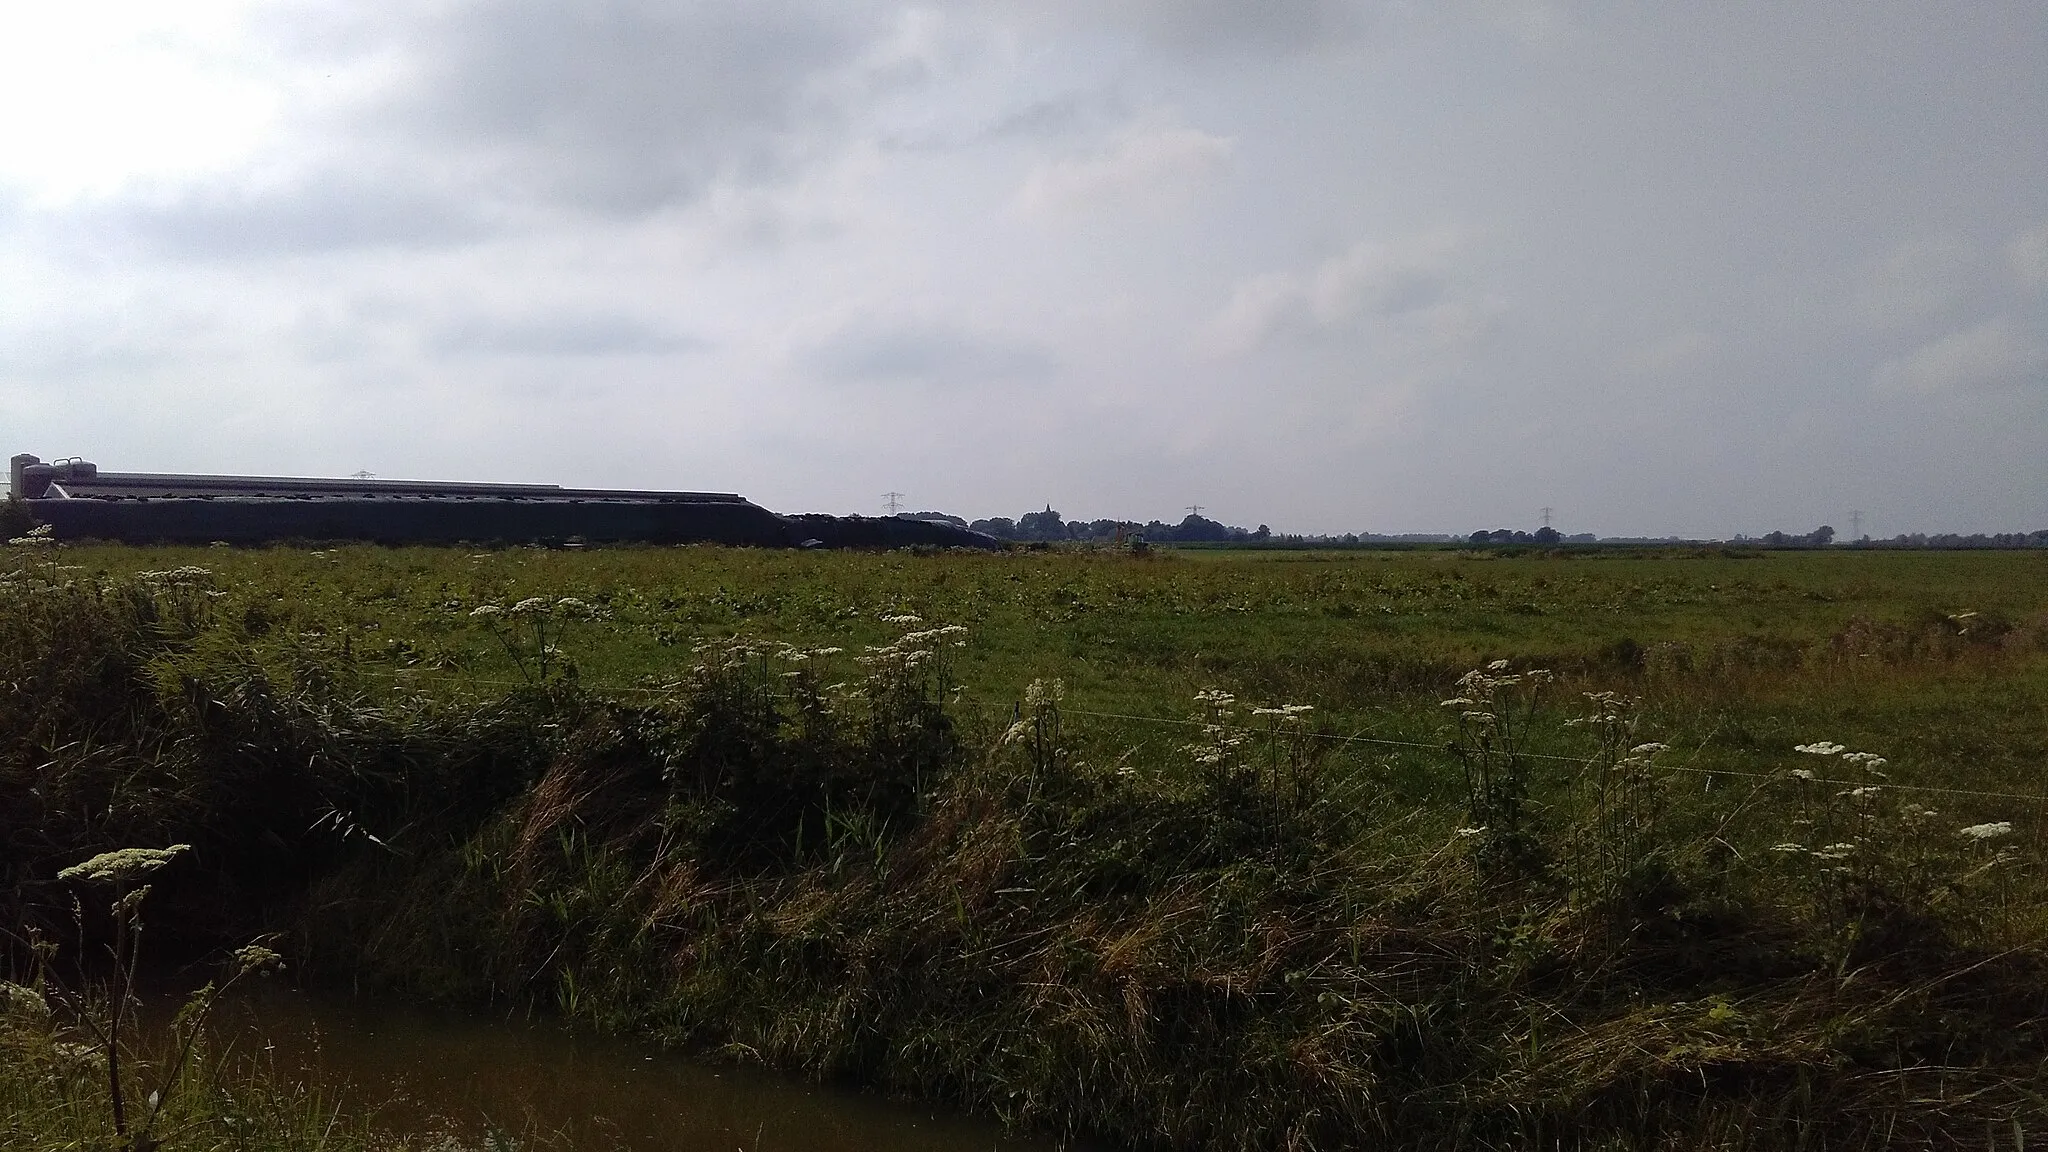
(939,355)
(555,336)
(1209,28)
(314,212)
(1337,264)
(483,114)
(619,107)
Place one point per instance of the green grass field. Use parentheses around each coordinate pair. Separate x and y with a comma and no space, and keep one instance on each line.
(1080,865)
(1740,657)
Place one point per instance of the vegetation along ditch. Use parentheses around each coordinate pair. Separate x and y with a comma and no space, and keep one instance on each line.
(1432,849)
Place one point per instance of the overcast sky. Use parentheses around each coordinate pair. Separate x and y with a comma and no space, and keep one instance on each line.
(1328,265)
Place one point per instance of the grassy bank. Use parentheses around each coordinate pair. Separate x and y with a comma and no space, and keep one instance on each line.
(54,1098)
(1184,851)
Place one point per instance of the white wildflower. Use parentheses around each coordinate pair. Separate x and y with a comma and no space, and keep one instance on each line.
(486,611)
(1040,693)
(122,864)
(257,958)
(1650,749)
(1820,748)
(1991,831)
(23,1003)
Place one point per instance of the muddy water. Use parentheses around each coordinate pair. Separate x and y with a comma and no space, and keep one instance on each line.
(470,1076)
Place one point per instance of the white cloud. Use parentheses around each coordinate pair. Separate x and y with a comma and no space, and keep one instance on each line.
(1409,286)
(1145,164)
(1665,355)
(94,97)
(1921,279)
(2028,254)
(1995,354)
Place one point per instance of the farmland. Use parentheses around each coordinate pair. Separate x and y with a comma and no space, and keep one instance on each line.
(1189,850)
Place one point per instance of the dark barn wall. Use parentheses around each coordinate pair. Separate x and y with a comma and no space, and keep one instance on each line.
(432,521)
(191,521)
(884,532)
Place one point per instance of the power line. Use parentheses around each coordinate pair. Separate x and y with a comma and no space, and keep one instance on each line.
(893,501)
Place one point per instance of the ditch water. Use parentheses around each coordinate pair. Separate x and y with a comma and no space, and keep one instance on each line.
(433,1072)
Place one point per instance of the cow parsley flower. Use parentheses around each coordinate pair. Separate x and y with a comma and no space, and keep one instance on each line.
(1991,831)
(122,864)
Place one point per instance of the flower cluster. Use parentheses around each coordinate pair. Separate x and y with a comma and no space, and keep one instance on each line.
(1991,831)
(122,865)
(176,577)
(1220,739)
(1479,691)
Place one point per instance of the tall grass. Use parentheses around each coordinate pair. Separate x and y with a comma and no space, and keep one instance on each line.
(1242,930)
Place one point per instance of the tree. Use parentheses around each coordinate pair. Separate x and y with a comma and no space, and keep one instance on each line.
(1195,529)
(1046,525)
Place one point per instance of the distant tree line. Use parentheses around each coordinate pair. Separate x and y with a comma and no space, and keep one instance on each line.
(1543,535)
(2037,539)
(1820,537)
(1048,526)
(1824,536)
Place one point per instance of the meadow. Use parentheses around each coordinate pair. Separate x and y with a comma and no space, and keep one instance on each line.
(1675,848)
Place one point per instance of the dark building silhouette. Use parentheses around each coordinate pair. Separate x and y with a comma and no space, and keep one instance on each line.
(78,501)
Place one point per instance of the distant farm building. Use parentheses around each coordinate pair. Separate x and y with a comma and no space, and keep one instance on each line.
(78,501)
